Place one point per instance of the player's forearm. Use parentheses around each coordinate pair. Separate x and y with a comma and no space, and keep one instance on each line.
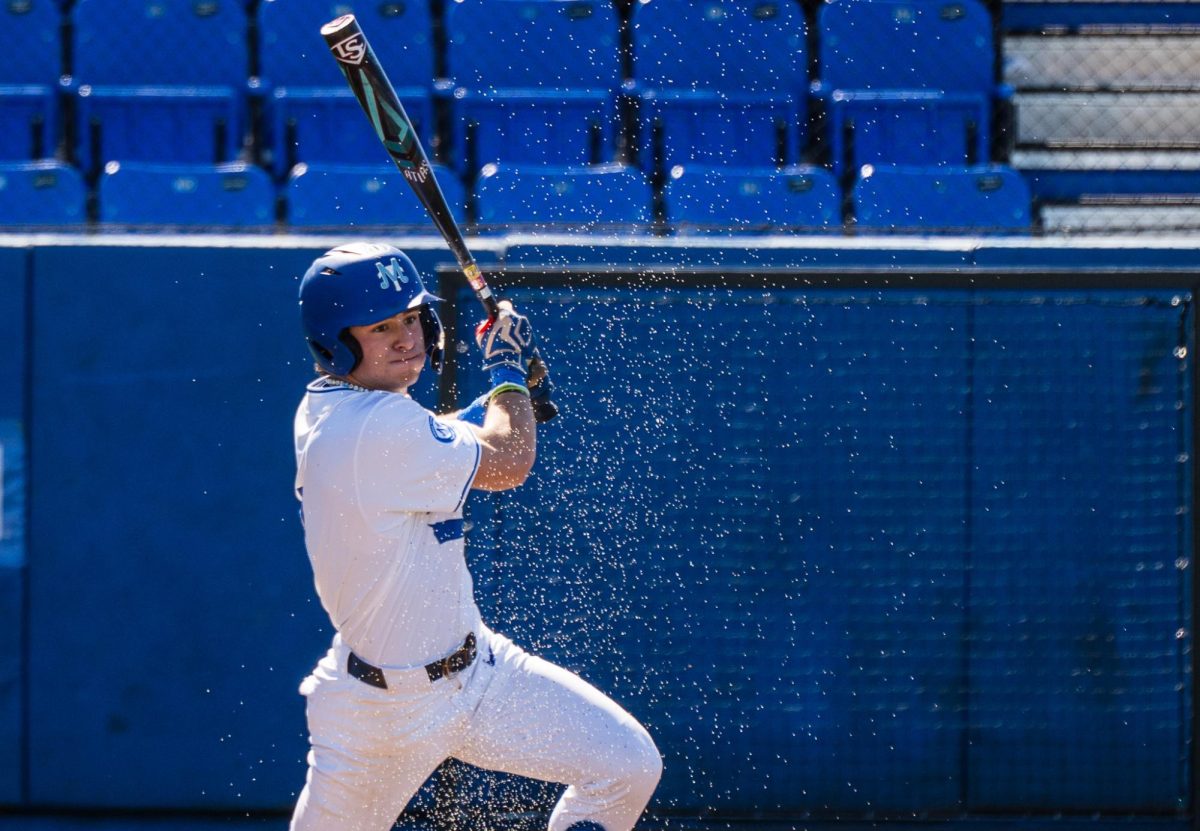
(509,439)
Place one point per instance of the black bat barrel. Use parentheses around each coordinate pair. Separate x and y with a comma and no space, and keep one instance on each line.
(379,101)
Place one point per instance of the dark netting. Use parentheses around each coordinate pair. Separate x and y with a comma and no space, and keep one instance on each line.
(913,553)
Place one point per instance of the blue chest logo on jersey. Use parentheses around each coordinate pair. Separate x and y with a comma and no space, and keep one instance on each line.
(441,432)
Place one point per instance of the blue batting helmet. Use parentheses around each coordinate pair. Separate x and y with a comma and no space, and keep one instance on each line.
(358,284)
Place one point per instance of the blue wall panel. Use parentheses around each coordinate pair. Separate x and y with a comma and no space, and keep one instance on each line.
(748,525)
(178,593)
(848,553)
(1080,576)
(172,611)
(842,551)
(13,277)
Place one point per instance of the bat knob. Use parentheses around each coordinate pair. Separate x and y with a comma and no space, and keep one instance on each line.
(543,409)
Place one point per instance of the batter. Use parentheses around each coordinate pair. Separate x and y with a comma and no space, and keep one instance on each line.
(414,676)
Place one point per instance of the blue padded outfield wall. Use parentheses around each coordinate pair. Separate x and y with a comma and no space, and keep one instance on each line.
(14,274)
(850,541)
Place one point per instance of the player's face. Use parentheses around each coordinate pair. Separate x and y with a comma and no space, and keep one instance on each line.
(393,353)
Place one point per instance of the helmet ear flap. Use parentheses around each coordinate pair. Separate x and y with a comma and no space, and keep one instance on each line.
(351,343)
(435,337)
(322,355)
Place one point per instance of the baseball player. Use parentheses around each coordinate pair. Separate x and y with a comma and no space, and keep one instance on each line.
(414,676)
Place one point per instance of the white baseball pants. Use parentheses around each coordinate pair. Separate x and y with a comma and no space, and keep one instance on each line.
(372,749)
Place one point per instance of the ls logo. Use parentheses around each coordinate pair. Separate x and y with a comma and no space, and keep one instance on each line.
(391,274)
(352,50)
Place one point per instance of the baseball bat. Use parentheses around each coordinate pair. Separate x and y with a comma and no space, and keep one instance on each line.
(375,94)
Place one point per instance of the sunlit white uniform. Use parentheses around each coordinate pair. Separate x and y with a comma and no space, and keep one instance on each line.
(382,485)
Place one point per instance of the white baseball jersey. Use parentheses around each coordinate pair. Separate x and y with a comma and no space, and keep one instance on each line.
(382,484)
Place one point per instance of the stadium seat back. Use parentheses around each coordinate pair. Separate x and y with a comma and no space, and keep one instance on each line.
(327,126)
(30,118)
(990,199)
(719,199)
(228,195)
(533,44)
(156,43)
(171,90)
(41,193)
(942,45)
(556,129)
(535,81)
(29,46)
(198,125)
(293,53)
(911,130)
(739,130)
(347,196)
(312,116)
(29,72)
(547,197)
(720,45)
(720,82)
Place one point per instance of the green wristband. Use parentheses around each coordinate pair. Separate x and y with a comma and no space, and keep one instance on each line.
(509,387)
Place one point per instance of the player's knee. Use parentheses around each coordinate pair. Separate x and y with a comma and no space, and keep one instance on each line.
(642,766)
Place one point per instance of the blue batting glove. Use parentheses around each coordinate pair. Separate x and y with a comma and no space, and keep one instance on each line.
(507,345)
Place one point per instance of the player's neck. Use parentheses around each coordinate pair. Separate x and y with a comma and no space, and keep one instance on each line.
(354,385)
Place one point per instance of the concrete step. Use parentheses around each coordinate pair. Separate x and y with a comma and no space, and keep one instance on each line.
(1072,175)
(1128,219)
(1108,120)
(1110,160)
(1103,62)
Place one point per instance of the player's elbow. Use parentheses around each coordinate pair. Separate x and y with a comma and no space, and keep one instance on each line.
(505,470)
(522,464)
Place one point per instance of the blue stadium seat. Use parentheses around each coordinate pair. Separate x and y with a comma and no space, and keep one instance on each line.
(232,195)
(906,81)
(985,199)
(41,193)
(159,81)
(535,80)
(29,77)
(720,81)
(595,198)
(331,196)
(720,199)
(311,114)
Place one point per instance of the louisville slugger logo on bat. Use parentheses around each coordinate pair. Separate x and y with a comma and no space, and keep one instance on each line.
(352,50)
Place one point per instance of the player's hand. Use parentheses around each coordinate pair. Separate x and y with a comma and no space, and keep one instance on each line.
(538,379)
(538,371)
(507,345)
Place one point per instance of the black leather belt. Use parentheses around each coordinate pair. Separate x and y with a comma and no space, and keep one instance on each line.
(456,661)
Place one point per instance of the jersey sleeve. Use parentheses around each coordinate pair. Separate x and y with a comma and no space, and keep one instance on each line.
(409,461)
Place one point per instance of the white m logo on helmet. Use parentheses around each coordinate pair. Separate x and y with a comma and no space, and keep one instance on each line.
(392,273)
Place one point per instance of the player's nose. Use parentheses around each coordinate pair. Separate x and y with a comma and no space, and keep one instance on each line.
(406,338)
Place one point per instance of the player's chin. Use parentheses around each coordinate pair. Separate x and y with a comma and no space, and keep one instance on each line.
(408,370)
